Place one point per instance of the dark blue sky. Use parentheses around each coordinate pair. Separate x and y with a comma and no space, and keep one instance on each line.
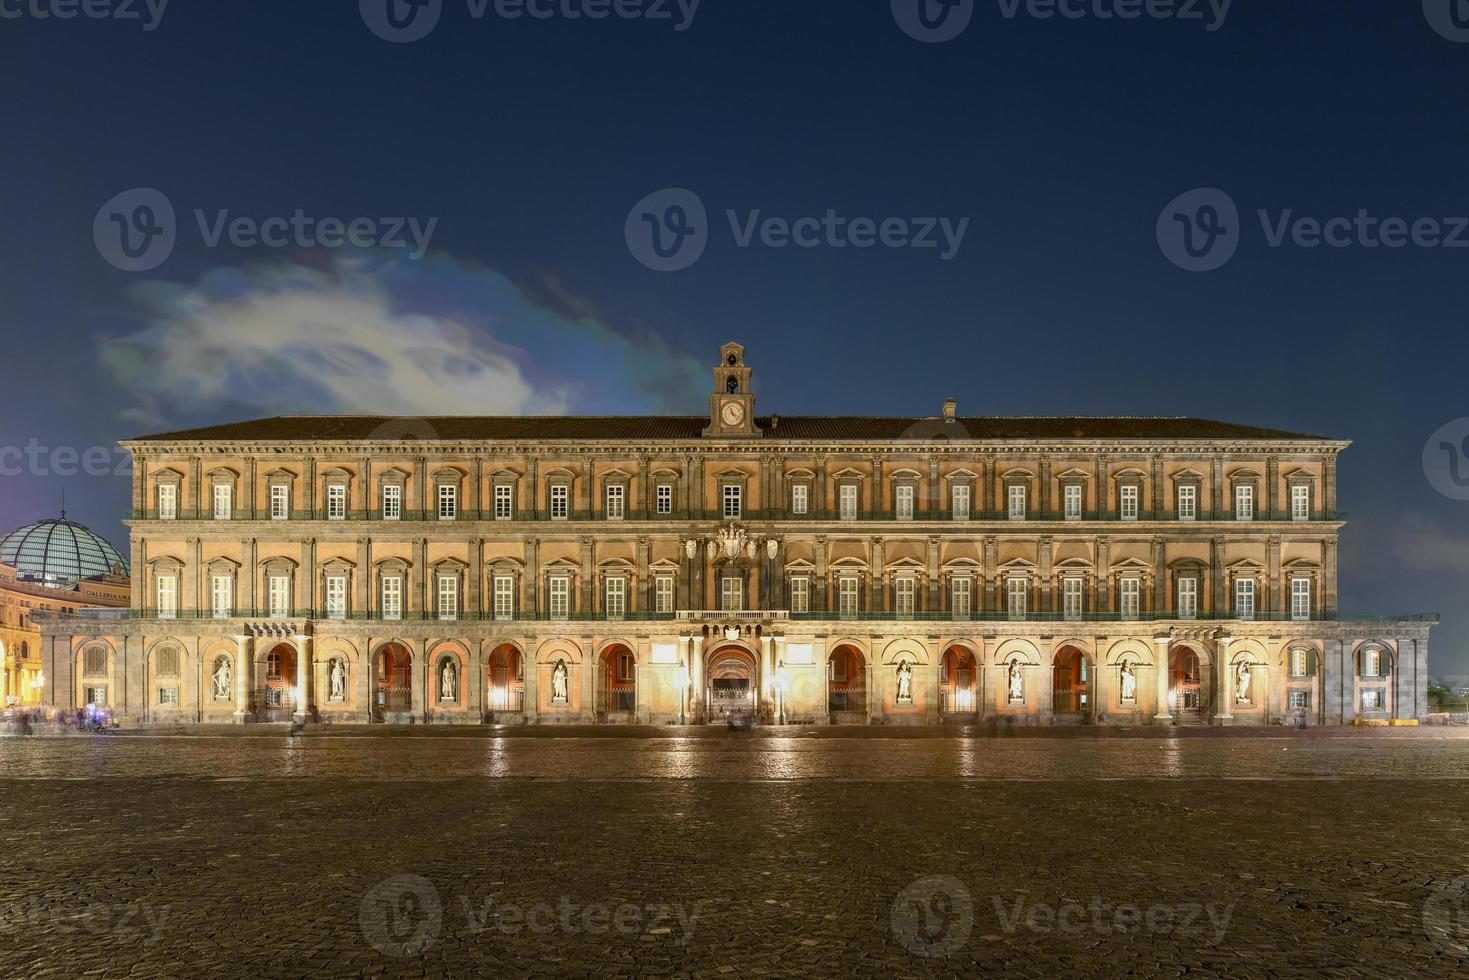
(529,141)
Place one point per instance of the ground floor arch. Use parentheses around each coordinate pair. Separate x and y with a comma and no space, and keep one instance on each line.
(846,685)
(731,684)
(1188,685)
(617,683)
(958,682)
(1072,682)
(505,680)
(392,676)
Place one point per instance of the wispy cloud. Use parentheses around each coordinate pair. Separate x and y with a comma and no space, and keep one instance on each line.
(365,335)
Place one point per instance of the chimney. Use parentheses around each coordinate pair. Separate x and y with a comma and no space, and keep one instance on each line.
(774,422)
(951,409)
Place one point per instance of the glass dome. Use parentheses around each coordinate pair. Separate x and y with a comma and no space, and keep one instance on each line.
(59,553)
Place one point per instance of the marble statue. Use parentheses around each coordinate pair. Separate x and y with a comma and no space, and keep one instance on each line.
(905,682)
(448,682)
(338,681)
(1242,683)
(222,679)
(1129,683)
(558,683)
(1017,683)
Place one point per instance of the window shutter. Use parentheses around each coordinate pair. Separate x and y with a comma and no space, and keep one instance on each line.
(1311,663)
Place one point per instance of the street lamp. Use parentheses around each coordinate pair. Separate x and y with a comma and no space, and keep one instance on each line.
(782,683)
(684,681)
(38,685)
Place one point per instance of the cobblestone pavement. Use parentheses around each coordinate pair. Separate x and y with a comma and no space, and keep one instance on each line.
(867,856)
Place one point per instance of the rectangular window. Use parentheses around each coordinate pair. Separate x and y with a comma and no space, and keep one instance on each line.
(1244,598)
(904,502)
(665,498)
(905,595)
(847,596)
(504,502)
(1016,590)
(1129,600)
(94,662)
(336,597)
(847,496)
(278,594)
(168,597)
(504,591)
(961,596)
(448,597)
(1300,598)
(222,596)
(1071,598)
(280,502)
(663,594)
(392,502)
(1244,502)
(1371,663)
(560,502)
(731,501)
(1129,501)
(336,502)
(1188,598)
(1016,497)
(168,696)
(560,603)
(800,499)
(1298,663)
(1300,502)
(1372,699)
(392,597)
(448,501)
(959,501)
(168,662)
(616,502)
(732,594)
(222,494)
(1188,502)
(1299,700)
(1071,494)
(168,502)
(800,594)
(614,603)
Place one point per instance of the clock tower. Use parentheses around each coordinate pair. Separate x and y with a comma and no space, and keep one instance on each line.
(732,406)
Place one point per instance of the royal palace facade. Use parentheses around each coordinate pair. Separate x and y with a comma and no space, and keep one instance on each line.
(788,570)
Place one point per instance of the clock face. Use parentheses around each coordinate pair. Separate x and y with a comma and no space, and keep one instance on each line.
(733,413)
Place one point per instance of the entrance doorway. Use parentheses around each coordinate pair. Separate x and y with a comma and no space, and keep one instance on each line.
(1070,683)
(1185,690)
(732,688)
(846,686)
(393,668)
(957,682)
(617,684)
(278,695)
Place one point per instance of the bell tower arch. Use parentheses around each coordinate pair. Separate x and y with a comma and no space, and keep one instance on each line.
(732,405)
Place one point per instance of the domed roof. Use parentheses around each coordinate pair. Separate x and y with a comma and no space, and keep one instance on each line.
(59,553)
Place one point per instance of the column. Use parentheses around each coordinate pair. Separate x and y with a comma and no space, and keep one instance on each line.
(589,680)
(242,678)
(530,674)
(303,676)
(421,679)
(474,579)
(1045,487)
(1160,647)
(1104,575)
(1272,478)
(1225,713)
(1328,486)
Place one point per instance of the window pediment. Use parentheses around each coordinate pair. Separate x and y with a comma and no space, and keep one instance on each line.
(393,475)
(1017,564)
(800,565)
(1017,473)
(849,473)
(1188,476)
(222,474)
(905,474)
(800,473)
(1074,473)
(616,476)
(168,476)
(1244,473)
(1128,475)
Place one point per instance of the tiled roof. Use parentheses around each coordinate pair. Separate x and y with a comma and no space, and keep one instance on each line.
(332,428)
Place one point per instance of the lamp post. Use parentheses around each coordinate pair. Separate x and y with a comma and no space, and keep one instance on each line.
(39,684)
(683,682)
(781,683)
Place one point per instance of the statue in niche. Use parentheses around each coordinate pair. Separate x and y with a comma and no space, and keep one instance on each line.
(1129,683)
(338,679)
(448,682)
(222,679)
(905,682)
(1017,683)
(1242,683)
(558,683)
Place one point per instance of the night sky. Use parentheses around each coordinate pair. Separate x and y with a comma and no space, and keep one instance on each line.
(528,142)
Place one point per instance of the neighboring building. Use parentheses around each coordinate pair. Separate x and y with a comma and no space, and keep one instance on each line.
(858,569)
(55,566)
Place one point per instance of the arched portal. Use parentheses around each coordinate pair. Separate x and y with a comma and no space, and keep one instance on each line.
(846,685)
(506,680)
(393,668)
(731,684)
(957,674)
(1185,685)
(1070,682)
(279,693)
(617,684)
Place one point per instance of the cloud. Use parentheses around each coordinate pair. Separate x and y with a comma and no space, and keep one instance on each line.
(370,336)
